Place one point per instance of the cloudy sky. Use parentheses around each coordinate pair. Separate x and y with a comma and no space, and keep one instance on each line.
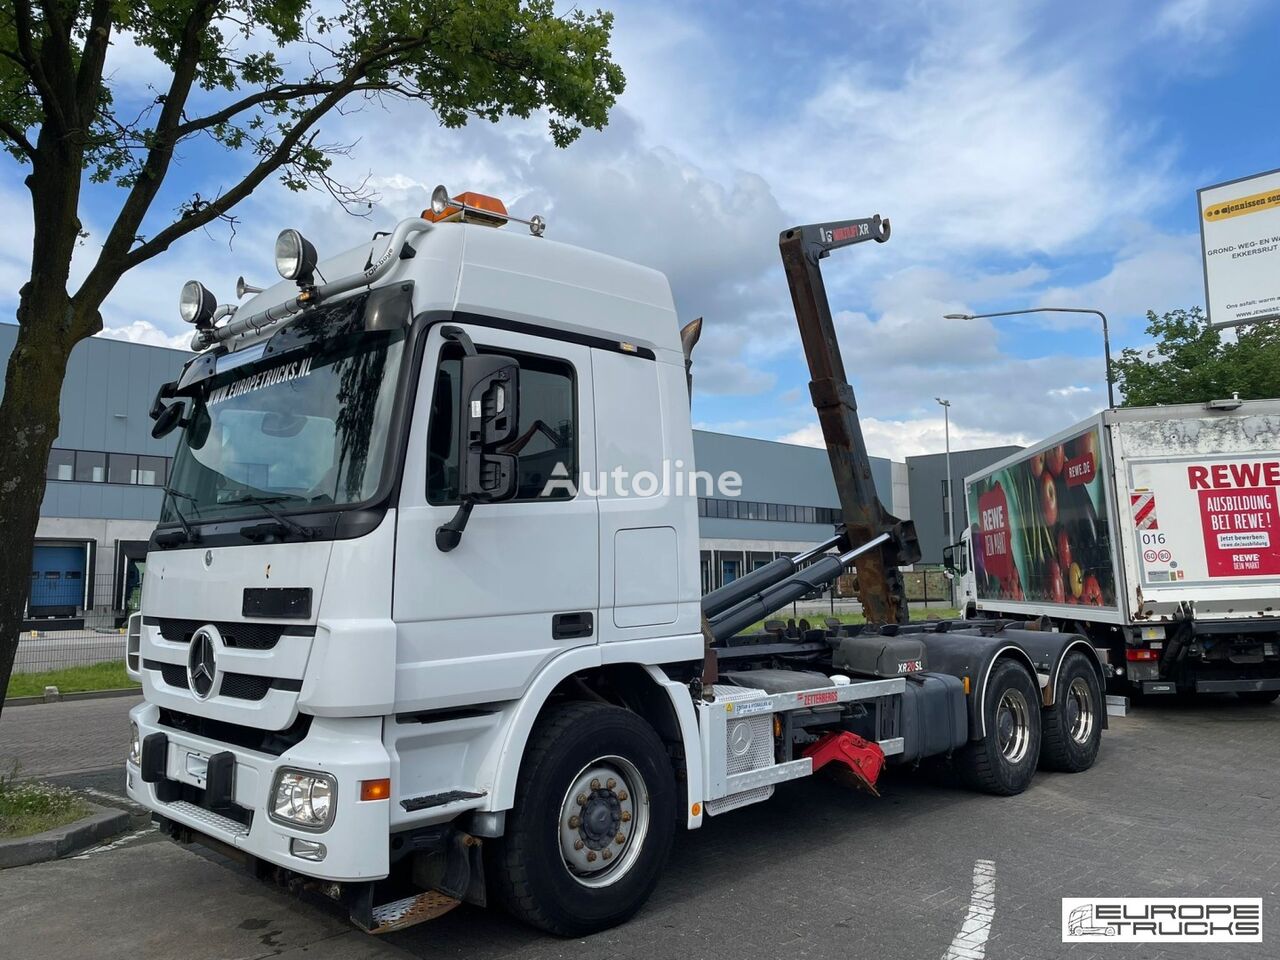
(1027,154)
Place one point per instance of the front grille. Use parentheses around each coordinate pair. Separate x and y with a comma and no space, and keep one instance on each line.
(250,738)
(237,686)
(246,636)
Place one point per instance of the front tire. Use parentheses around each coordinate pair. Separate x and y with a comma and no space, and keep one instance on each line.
(593,821)
(1072,727)
(1004,760)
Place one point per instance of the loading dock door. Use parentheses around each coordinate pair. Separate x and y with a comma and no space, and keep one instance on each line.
(57,580)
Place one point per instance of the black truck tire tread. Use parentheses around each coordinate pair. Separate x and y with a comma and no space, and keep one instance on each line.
(515,858)
(980,763)
(1057,750)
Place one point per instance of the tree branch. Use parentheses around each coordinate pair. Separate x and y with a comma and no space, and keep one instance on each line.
(19,139)
(92,59)
(150,177)
(22,18)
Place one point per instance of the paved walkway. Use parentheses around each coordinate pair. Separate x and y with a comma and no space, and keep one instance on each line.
(47,739)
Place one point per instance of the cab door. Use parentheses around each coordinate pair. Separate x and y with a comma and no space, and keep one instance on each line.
(475,624)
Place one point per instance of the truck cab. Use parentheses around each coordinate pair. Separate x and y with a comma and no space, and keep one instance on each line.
(426,582)
(957,559)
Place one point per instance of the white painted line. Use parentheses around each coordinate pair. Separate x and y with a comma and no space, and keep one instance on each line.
(970,942)
(116,843)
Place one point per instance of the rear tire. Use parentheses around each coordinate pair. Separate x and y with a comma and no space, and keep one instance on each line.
(1072,727)
(1004,761)
(558,865)
(1259,697)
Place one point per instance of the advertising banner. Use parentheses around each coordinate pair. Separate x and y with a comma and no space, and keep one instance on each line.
(1040,529)
(1240,243)
(1218,519)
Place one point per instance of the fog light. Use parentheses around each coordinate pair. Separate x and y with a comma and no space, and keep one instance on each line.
(135,745)
(304,799)
(307,849)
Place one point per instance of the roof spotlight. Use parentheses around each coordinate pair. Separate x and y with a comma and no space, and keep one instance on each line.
(295,257)
(196,304)
(440,201)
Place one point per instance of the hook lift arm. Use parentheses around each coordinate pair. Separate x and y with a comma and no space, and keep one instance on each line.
(880,586)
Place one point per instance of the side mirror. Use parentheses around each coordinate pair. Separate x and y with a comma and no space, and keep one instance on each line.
(169,417)
(487,420)
(949,559)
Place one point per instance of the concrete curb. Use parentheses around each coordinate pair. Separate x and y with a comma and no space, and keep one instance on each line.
(68,697)
(102,822)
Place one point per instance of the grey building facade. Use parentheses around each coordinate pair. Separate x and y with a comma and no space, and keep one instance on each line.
(105,479)
(927,480)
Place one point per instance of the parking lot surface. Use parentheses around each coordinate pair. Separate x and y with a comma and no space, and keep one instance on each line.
(1183,802)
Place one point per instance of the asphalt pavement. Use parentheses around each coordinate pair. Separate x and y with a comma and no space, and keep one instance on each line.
(1182,802)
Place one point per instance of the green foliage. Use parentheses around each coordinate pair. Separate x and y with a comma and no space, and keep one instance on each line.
(32,807)
(99,676)
(1193,363)
(257,77)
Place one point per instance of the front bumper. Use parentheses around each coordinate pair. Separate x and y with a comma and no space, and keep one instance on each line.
(350,750)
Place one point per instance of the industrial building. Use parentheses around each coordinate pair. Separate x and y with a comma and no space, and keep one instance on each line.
(106,481)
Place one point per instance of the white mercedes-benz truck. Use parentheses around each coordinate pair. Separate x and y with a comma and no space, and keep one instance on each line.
(422,622)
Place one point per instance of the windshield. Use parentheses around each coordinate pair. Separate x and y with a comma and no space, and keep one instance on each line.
(309,430)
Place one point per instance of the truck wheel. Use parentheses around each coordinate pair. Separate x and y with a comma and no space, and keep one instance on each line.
(1259,697)
(1072,727)
(593,821)
(1004,761)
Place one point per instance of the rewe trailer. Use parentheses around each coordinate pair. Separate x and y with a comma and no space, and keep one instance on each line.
(1154,531)
(391,650)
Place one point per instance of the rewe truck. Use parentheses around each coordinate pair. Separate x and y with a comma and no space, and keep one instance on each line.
(405,642)
(1153,531)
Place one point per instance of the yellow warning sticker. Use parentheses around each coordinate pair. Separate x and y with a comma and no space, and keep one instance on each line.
(1254,202)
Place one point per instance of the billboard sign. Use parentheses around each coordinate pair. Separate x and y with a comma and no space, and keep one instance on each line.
(1040,529)
(1240,243)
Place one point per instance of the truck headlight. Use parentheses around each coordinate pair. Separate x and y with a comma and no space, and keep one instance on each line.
(305,799)
(135,745)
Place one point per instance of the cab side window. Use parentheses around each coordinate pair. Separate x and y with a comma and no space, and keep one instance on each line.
(546,442)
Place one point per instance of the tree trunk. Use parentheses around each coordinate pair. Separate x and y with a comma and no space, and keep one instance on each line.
(29,419)
(50,324)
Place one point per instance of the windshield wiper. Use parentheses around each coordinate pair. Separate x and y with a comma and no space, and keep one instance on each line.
(188,534)
(266,504)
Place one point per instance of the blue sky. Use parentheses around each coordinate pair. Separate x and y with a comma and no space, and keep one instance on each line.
(1028,154)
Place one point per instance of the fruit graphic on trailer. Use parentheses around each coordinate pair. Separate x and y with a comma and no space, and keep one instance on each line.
(1048,499)
(1054,459)
(1092,595)
(1075,578)
(1064,550)
(1037,464)
(1053,574)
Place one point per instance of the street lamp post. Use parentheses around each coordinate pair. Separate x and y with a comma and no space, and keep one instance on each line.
(951,492)
(1106,335)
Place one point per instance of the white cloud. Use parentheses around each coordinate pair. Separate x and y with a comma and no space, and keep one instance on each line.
(899,439)
(140,331)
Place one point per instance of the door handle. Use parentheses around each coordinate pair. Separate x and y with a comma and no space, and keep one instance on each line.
(569,626)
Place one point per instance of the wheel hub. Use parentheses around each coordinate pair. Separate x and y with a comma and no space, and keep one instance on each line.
(603,821)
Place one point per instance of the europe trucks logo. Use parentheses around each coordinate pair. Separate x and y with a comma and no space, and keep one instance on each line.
(267,378)
(1161,920)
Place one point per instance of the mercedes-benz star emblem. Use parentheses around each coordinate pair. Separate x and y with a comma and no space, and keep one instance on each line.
(208,558)
(202,663)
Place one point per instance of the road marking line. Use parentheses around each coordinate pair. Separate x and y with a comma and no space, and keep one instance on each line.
(115,844)
(970,942)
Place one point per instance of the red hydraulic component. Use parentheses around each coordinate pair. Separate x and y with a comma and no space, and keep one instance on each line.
(862,757)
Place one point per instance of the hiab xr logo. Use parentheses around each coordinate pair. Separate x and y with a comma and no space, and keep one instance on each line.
(1161,920)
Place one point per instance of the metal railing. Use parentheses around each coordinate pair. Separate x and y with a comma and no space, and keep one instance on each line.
(67,634)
